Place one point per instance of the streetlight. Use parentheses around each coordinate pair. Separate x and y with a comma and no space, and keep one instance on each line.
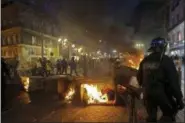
(139,45)
(59,40)
(98,52)
(114,51)
(65,40)
(73,46)
(80,49)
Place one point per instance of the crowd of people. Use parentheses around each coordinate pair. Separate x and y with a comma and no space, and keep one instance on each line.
(45,67)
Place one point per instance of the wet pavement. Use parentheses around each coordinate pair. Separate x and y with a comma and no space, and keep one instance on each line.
(42,104)
(88,114)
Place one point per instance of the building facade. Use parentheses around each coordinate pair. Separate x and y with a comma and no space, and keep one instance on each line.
(25,45)
(25,31)
(176,28)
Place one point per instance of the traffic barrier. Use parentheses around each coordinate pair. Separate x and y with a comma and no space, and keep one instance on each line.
(63,86)
(36,84)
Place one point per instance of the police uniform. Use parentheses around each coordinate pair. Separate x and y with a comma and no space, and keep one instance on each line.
(159,79)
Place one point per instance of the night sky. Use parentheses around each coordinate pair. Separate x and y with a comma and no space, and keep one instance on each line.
(106,19)
(93,11)
(103,10)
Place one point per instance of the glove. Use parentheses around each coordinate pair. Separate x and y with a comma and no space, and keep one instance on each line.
(180,105)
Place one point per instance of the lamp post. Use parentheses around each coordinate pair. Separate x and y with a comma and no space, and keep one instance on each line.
(42,41)
(59,41)
(42,48)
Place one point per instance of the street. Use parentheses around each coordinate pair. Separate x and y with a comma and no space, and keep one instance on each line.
(88,114)
(41,105)
(46,108)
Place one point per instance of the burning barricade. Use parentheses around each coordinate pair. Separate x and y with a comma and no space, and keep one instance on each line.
(91,93)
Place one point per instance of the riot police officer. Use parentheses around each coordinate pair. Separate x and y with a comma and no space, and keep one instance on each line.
(158,77)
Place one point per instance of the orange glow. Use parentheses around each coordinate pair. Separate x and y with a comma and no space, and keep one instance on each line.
(26,82)
(94,94)
(70,95)
(133,61)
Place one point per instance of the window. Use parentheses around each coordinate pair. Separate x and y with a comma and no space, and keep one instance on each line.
(2,52)
(9,53)
(31,51)
(33,40)
(15,52)
(18,37)
(14,39)
(9,39)
(179,36)
(5,52)
(3,40)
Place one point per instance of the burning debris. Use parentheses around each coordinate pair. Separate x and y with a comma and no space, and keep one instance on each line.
(94,95)
(133,61)
(70,94)
(87,91)
(26,82)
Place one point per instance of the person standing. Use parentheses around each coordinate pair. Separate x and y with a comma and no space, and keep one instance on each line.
(73,66)
(58,66)
(48,68)
(158,77)
(39,66)
(64,66)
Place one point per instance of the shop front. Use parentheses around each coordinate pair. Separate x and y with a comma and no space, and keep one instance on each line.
(177,49)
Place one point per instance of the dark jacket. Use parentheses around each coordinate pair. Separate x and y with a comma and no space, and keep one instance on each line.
(166,76)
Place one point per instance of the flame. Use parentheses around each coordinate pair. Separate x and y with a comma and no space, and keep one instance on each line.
(70,94)
(133,61)
(130,61)
(95,95)
(26,82)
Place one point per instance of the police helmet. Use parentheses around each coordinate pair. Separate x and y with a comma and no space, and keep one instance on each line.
(157,43)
